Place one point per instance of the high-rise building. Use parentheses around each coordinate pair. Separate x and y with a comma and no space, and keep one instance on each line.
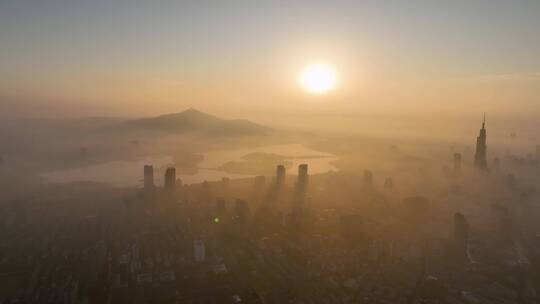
(417,206)
(199,251)
(496,163)
(457,161)
(259,181)
(280,175)
(302,177)
(135,251)
(461,228)
(170,178)
(480,157)
(225,181)
(148,177)
(205,185)
(241,210)
(303,173)
(368,178)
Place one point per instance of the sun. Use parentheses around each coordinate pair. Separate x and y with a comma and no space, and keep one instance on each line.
(318,78)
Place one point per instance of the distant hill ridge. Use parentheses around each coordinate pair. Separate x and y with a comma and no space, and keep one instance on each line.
(193,120)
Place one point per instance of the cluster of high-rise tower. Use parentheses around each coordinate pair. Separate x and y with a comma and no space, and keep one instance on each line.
(480,162)
(301,182)
(170,178)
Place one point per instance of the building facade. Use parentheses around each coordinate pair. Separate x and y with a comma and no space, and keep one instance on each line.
(480,156)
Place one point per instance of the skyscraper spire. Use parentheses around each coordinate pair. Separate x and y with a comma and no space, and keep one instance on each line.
(480,157)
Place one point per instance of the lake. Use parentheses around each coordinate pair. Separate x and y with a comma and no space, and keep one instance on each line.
(130,173)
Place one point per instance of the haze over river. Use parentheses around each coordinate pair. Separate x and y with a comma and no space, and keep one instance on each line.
(129,173)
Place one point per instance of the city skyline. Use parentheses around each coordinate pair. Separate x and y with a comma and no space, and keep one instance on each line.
(269,152)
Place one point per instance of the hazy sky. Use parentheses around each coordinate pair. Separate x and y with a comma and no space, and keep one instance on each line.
(149,57)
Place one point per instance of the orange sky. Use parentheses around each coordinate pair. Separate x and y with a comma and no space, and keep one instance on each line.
(77,58)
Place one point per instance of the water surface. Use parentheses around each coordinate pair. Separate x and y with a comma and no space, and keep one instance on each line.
(130,173)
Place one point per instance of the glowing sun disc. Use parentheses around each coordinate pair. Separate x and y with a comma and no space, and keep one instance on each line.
(318,78)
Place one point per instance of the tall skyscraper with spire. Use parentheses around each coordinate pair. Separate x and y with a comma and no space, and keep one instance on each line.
(480,157)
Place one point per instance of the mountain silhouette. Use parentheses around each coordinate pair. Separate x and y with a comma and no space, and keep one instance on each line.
(194,121)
